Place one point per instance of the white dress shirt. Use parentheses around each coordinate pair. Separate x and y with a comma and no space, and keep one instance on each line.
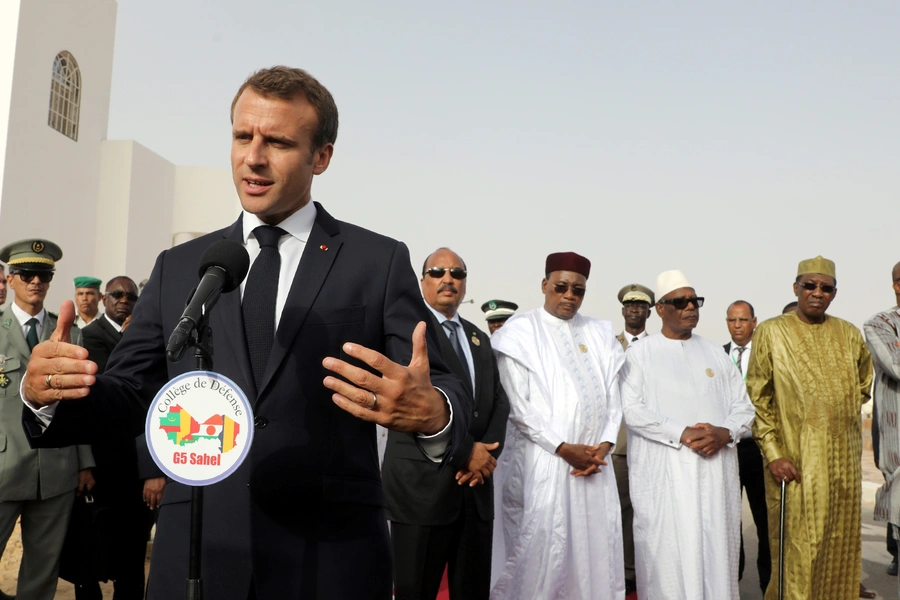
(629,337)
(115,325)
(745,357)
(23,318)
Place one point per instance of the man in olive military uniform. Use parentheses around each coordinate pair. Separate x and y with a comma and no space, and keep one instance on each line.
(496,312)
(38,485)
(636,301)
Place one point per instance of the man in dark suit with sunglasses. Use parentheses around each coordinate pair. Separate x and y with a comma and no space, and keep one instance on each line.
(446,518)
(119,488)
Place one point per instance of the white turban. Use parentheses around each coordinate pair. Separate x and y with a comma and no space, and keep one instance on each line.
(669,281)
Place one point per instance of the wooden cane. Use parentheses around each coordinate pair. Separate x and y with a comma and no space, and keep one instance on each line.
(781,545)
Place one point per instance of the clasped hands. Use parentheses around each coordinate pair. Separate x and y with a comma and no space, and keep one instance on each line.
(402,399)
(705,439)
(480,466)
(585,460)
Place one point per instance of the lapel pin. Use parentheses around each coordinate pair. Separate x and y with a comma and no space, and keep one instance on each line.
(7,322)
(582,347)
(323,247)
(475,340)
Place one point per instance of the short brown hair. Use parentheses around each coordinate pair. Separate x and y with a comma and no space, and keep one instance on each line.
(286,83)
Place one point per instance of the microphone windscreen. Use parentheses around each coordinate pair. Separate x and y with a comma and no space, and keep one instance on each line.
(231,257)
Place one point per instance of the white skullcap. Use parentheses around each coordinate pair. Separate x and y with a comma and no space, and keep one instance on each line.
(668,281)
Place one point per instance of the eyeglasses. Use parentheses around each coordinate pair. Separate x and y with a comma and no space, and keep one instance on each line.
(681,303)
(562,288)
(438,272)
(28,276)
(119,294)
(811,285)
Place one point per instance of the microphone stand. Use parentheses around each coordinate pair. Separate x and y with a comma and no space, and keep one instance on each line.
(202,342)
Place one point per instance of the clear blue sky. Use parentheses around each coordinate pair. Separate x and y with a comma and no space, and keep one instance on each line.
(730,140)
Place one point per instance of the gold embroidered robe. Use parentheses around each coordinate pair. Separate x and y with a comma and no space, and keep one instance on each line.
(808,383)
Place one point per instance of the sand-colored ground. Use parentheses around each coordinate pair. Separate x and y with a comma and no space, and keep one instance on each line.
(9,571)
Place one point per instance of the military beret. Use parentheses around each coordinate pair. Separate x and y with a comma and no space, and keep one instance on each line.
(88,282)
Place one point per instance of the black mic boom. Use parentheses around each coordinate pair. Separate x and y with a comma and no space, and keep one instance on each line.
(223,267)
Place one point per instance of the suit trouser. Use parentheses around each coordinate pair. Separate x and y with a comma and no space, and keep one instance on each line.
(44,524)
(133,521)
(752,474)
(620,466)
(422,552)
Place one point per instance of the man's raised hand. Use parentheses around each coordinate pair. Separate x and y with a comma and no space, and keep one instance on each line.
(57,369)
(402,399)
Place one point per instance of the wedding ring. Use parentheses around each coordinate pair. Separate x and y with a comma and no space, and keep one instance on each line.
(374,401)
(49,380)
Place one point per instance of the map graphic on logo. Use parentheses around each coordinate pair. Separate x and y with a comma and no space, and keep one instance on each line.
(183,429)
(199,428)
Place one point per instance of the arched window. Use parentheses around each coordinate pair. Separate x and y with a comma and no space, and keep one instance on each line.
(65,95)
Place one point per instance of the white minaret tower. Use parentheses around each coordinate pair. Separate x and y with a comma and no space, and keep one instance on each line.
(56,61)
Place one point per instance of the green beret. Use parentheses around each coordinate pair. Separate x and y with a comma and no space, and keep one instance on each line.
(31,255)
(88,282)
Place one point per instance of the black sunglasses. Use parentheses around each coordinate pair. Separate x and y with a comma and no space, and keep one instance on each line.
(28,276)
(119,294)
(681,303)
(438,272)
(562,288)
(811,285)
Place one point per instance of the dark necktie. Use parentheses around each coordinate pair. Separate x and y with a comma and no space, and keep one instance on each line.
(634,339)
(258,306)
(740,354)
(452,328)
(32,336)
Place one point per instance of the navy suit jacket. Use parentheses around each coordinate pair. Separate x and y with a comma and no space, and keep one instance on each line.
(309,458)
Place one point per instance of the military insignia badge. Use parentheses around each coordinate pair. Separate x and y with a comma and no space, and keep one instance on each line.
(475,340)
(4,380)
(7,322)
(37,246)
(492,305)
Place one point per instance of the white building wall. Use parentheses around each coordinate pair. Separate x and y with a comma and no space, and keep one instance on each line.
(205,200)
(134,216)
(9,30)
(51,183)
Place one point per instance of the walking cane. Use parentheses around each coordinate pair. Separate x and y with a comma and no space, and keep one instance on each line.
(781,545)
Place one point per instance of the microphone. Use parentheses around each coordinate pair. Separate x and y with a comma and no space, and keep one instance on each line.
(223,267)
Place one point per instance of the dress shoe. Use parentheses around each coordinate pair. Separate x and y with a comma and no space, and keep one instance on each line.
(892,568)
(864,593)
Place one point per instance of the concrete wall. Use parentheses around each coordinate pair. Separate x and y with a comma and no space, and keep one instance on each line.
(9,29)
(205,200)
(51,183)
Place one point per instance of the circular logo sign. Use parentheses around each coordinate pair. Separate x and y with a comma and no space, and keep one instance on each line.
(199,428)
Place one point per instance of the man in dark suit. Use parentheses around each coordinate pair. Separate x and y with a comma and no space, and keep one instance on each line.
(440,518)
(741,321)
(119,486)
(326,335)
